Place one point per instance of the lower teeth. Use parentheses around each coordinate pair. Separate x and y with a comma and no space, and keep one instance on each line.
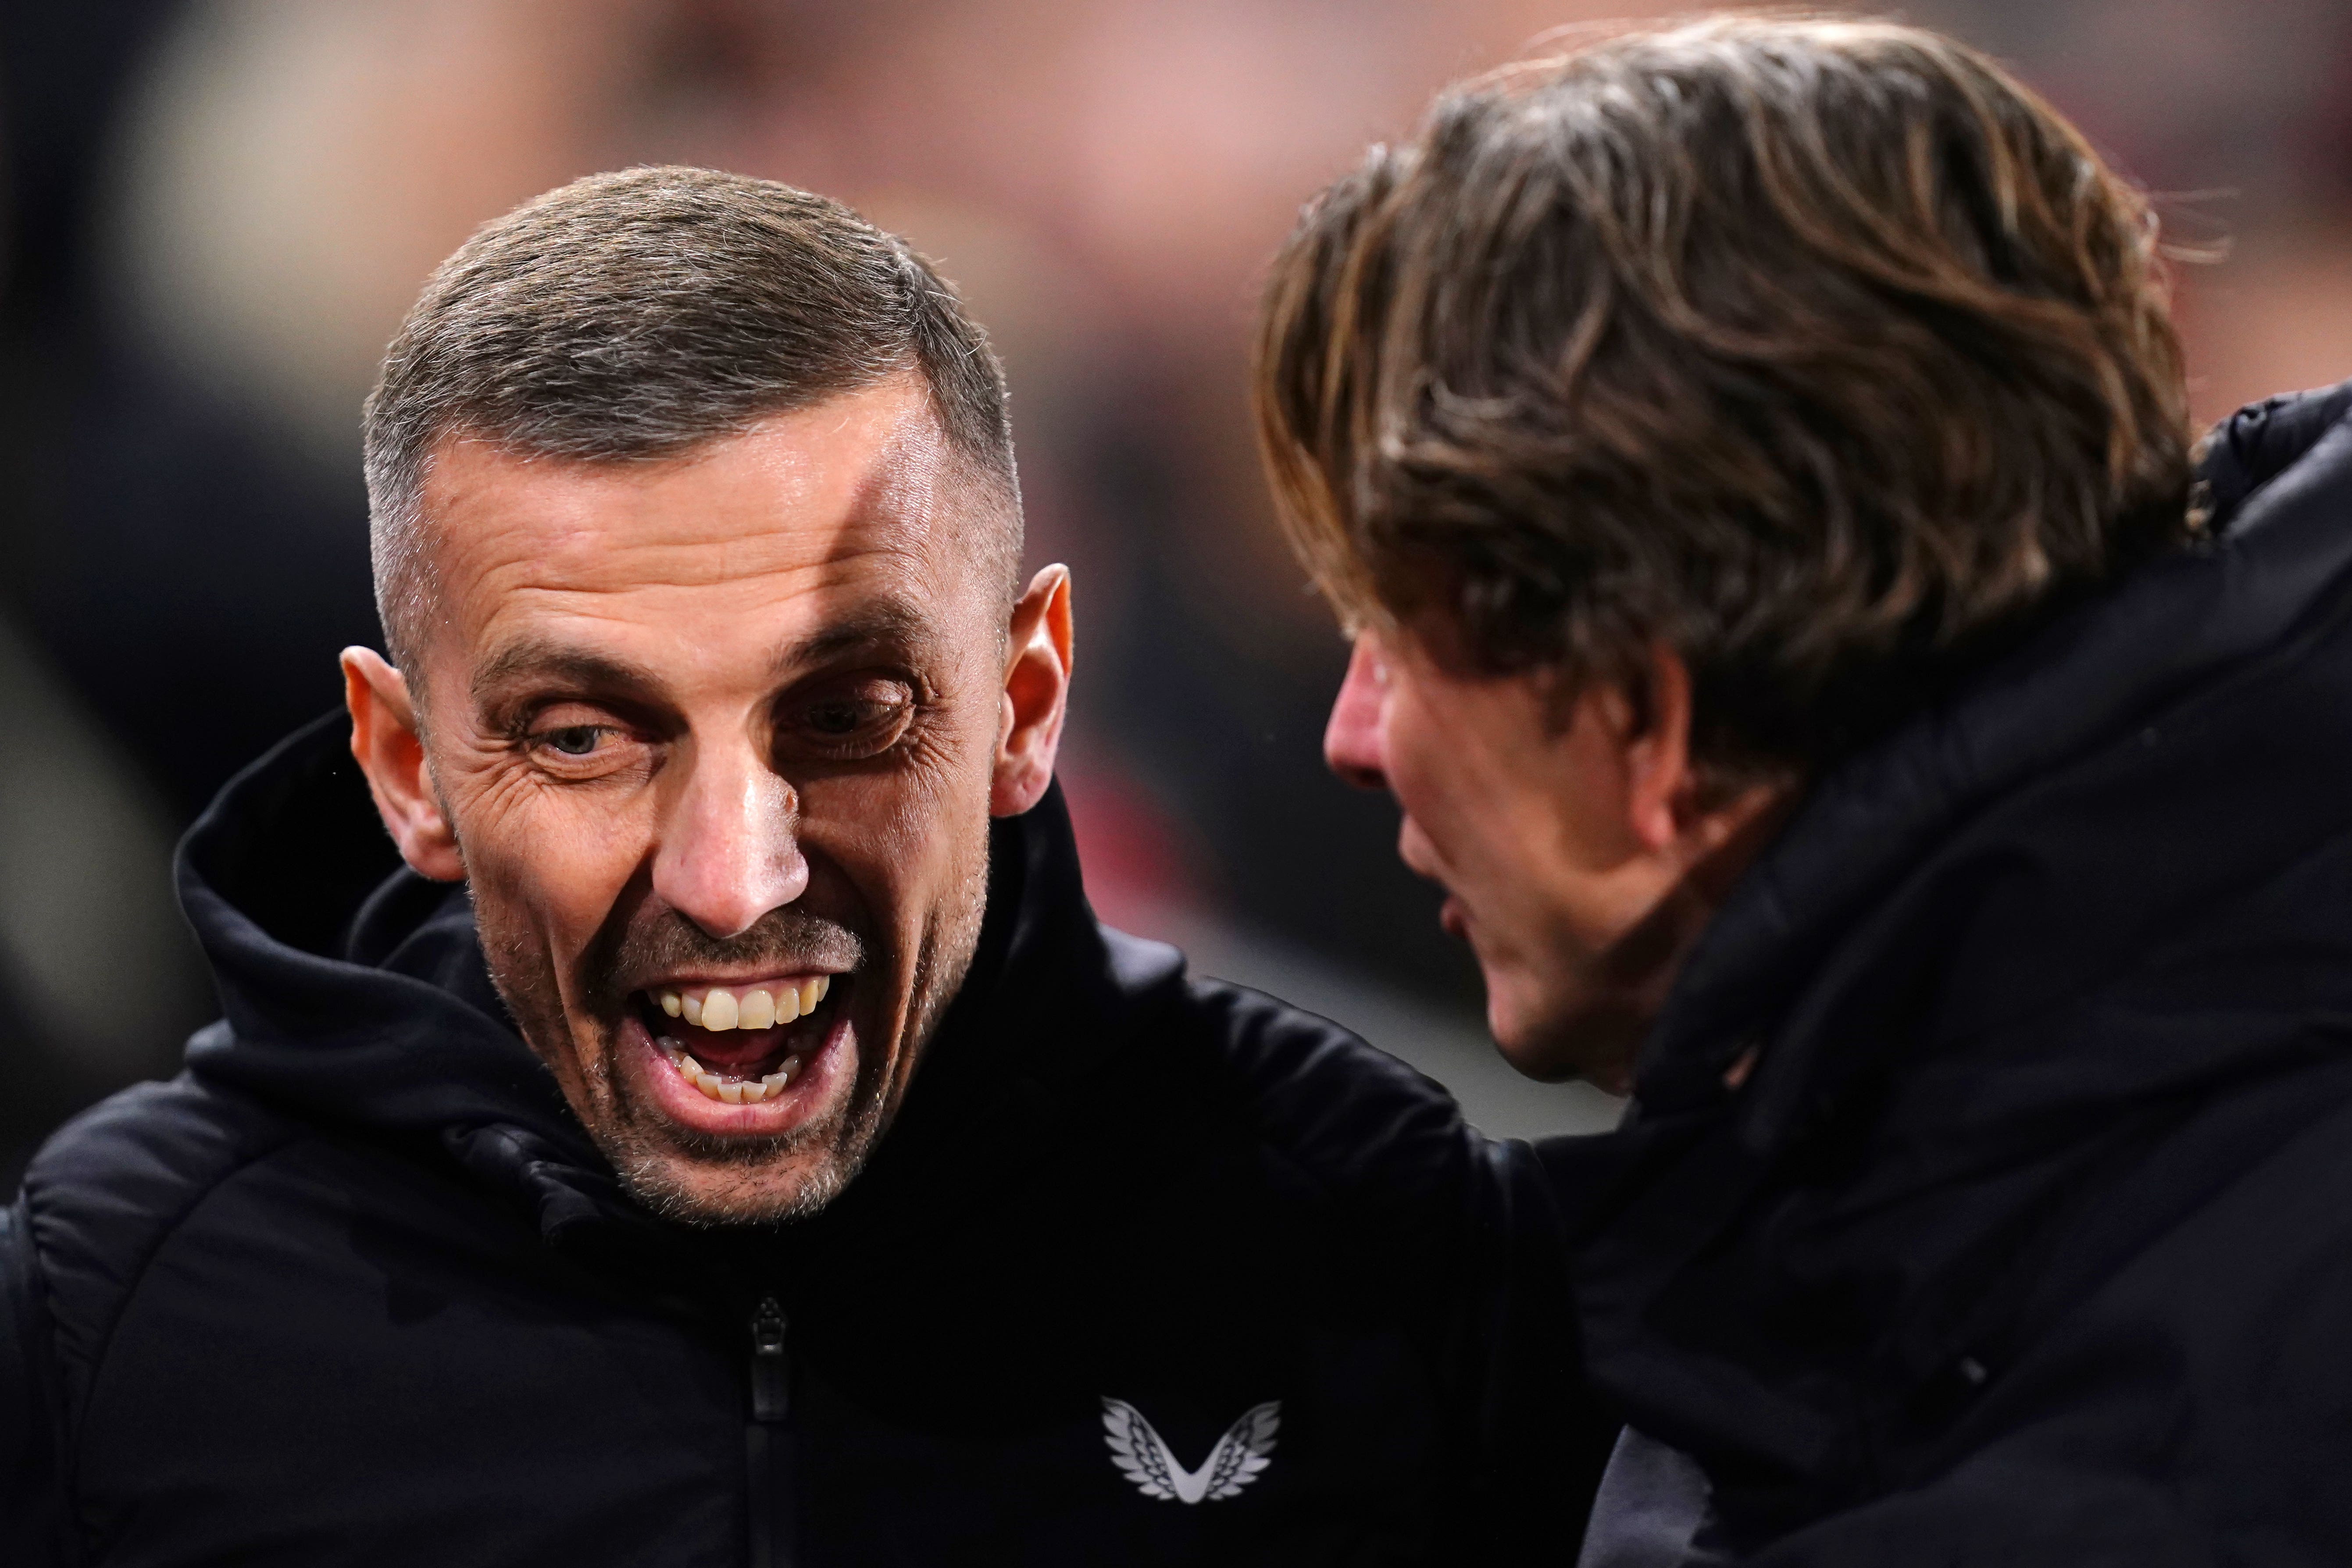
(731,1090)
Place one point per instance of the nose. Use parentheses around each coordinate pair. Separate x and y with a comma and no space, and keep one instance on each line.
(1352,739)
(730,847)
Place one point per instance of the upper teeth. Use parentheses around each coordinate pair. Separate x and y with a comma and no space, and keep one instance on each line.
(760,1006)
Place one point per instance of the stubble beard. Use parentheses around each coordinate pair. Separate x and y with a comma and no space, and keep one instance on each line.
(707,1181)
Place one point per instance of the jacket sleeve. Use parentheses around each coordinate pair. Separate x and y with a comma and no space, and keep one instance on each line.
(1541,1434)
(31,1416)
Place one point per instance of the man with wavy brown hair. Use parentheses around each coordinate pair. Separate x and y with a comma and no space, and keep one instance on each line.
(1846,709)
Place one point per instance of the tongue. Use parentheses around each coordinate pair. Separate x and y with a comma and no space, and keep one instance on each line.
(729,1050)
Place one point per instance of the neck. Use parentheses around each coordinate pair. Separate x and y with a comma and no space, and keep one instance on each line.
(1642,967)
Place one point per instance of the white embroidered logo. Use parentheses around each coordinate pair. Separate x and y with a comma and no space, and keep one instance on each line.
(1231,1465)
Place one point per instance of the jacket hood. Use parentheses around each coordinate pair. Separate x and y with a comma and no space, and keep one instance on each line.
(354,992)
(1988,964)
(350,988)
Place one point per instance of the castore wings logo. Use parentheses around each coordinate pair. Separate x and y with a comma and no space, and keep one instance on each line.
(1245,1450)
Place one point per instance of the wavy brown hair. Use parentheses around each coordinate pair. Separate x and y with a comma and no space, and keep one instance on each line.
(1823,352)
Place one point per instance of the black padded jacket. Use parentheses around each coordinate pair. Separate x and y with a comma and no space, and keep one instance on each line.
(2028,1239)
(354,1288)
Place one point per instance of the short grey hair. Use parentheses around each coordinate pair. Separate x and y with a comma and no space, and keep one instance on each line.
(633,316)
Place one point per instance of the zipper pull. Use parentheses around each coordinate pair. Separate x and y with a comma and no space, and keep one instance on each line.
(771,1392)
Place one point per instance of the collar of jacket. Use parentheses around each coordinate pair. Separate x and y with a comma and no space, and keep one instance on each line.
(1938,1005)
(354,993)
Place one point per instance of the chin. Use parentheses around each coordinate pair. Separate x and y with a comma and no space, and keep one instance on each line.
(1532,1050)
(1542,1060)
(756,1179)
(705,1193)
(1552,1037)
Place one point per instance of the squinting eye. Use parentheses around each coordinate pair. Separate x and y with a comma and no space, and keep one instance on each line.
(577,740)
(859,719)
(844,717)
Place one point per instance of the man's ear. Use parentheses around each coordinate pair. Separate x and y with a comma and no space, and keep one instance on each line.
(1661,789)
(1036,693)
(1670,804)
(390,752)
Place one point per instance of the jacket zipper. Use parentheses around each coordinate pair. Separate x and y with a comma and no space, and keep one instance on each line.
(768,1441)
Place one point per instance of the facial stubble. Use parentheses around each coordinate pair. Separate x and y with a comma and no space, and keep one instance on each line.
(712,1180)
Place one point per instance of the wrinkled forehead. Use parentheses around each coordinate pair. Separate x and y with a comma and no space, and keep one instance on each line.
(811,517)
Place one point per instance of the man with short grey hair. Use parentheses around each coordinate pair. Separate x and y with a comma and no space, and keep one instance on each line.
(721,1133)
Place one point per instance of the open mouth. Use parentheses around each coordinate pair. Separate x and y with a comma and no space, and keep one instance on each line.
(744,1042)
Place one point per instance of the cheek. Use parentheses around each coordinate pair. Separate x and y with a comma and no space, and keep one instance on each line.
(898,833)
(1433,778)
(549,861)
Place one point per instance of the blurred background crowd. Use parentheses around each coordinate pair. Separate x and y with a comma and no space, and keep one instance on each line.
(214,212)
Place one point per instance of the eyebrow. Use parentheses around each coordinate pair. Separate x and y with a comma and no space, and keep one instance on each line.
(887,623)
(539,658)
